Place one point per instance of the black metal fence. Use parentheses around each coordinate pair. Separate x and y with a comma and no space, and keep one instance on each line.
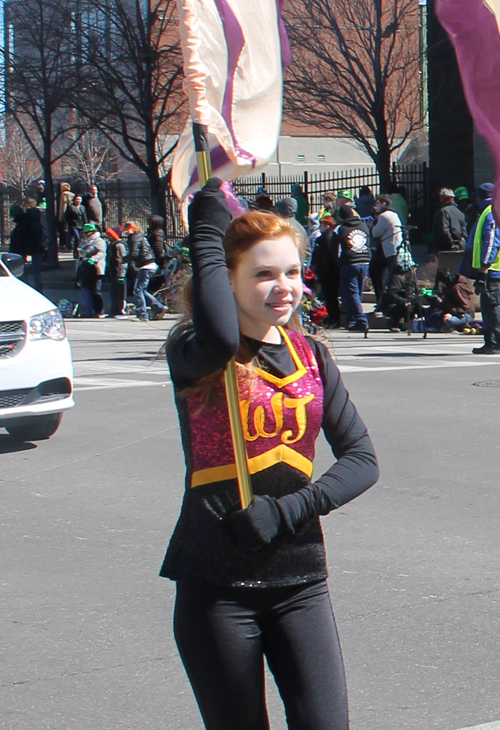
(130,200)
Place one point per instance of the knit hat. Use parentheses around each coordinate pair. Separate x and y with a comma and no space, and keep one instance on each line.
(113,233)
(462,194)
(287,207)
(344,194)
(328,220)
(485,191)
(89,227)
(446,193)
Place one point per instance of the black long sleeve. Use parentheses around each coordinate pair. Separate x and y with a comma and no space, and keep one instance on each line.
(356,469)
(215,336)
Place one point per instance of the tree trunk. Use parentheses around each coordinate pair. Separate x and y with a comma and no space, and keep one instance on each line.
(157,195)
(383,157)
(53,259)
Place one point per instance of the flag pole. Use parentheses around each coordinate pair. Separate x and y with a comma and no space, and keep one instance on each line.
(230,376)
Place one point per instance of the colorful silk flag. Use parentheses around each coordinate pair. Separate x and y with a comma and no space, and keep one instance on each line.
(474,28)
(234,55)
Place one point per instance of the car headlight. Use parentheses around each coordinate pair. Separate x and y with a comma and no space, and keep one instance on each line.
(47,325)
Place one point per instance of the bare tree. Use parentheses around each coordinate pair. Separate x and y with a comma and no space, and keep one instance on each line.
(90,158)
(132,81)
(40,80)
(357,72)
(19,166)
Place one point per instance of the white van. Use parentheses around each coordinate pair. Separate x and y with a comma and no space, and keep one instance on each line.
(36,369)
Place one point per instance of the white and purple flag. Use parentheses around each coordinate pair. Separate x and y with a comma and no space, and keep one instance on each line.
(474,28)
(235,52)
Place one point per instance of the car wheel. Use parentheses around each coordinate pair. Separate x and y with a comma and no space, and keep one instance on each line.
(35,429)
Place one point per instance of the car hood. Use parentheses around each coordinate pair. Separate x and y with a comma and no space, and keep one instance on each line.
(20,301)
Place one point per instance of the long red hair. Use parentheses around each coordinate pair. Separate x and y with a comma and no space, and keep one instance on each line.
(242,233)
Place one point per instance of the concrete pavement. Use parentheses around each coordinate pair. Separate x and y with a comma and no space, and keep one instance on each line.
(413,563)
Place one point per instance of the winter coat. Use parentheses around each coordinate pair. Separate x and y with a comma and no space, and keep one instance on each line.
(26,238)
(354,241)
(388,228)
(140,252)
(94,248)
(115,260)
(364,205)
(157,241)
(449,231)
(76,216)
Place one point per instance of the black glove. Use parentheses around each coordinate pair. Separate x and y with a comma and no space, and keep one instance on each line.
(209,209)
(255,527)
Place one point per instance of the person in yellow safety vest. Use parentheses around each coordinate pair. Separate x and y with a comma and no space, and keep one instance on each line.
(482,262)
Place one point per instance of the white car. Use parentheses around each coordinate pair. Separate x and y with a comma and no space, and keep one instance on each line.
(36,369)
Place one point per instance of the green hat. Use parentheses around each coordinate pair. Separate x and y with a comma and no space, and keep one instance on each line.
(344,194)
(90,227)
(462,194)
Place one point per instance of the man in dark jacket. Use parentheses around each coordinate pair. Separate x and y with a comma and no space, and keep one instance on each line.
(95,207)
(325,265)
(76,217)
(354,242)
(26,240)
(449,230)
(156,238)
(142,256)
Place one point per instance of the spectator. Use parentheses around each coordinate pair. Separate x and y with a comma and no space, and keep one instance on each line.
(65,199)
(325,265)
(40,194)
(328,205)
(313,232)
(287,208)
(354,238)
(449,230)
(26,240)
(142,256)
(399,300)
(76,217)
(399,203)
(467,206)
(364,204)
(264,202)
(116,268)
(481,261)
(91,268)
(302,204)
(388,229)
(95,207)
(157,240)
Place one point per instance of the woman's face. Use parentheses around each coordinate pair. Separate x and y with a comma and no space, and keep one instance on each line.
(267,286)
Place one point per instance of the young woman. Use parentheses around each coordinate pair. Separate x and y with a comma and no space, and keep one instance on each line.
(252,583)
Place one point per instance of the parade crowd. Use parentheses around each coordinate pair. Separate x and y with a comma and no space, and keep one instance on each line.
(351,243)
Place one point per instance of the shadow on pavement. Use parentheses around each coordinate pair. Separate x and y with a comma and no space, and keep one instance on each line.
(9,445)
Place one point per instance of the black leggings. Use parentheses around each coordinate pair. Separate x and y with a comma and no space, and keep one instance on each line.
(223,635)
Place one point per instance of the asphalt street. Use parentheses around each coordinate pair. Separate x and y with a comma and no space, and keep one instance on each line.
(86,516)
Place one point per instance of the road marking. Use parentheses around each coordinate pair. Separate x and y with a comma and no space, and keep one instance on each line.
(433,366)
(82,384)
(487,726)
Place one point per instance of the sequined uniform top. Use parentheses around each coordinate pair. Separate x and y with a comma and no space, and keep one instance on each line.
(297,390)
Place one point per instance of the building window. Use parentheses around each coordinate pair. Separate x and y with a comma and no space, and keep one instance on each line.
(301,158)
(321,158)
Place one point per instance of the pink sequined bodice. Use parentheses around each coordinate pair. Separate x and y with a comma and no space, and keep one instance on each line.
(281,419)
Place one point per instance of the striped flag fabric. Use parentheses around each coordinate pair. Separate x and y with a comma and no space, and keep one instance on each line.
(235,52)
(474,29)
